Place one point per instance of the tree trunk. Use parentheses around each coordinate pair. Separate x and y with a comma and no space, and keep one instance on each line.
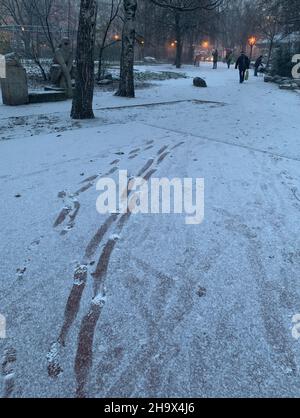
(126,87)
(27,44)
(99,76)
(270,53)
(42,70)
(101,51)
(178,40)
(191,53)
(82,107)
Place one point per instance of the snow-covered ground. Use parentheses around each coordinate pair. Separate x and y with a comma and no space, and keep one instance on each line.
(201,310)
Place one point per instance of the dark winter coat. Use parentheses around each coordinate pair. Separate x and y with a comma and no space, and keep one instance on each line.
(258,62)
(243,63)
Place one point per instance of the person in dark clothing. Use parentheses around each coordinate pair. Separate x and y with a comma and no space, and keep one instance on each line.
(258,63)
(243,64)
(215,59)
(228,58)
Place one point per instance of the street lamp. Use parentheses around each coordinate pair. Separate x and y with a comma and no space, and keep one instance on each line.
(252,42)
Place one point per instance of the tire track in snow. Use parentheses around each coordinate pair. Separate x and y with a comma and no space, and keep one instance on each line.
(74,300)
(62,216)
(162,157)
(75,206)
(149,174)
(89,179)
(114,162)
(71,311)
(178,145)
(84,354)
(146,167)
(163,149)
(72,209)
(98,237)
(84,189)
(72,308)
(75,296)
(103,263)
(135,151)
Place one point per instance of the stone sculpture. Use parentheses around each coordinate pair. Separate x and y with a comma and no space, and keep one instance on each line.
(62,67)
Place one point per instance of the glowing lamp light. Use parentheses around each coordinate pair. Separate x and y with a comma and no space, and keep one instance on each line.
(205,44)
(252,41)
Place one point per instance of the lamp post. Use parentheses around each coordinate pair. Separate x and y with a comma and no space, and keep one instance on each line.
(252,42)
(205,46)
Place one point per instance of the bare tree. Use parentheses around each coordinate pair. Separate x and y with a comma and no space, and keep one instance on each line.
(37,23)
(126,86)
(82,107)
(113,14)
(270,23)
(231,34)
(178,7)
(290,13)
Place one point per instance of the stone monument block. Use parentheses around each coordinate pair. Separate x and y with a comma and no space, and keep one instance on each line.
(14,86)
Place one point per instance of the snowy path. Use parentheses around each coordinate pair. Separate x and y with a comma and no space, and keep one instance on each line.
(190,310)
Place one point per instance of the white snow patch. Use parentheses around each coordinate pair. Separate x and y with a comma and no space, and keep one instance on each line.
(99,300)
(115,237)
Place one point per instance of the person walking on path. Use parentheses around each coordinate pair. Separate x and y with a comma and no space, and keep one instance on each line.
(258,64)
(229,54)
(215,59)
(243,64)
